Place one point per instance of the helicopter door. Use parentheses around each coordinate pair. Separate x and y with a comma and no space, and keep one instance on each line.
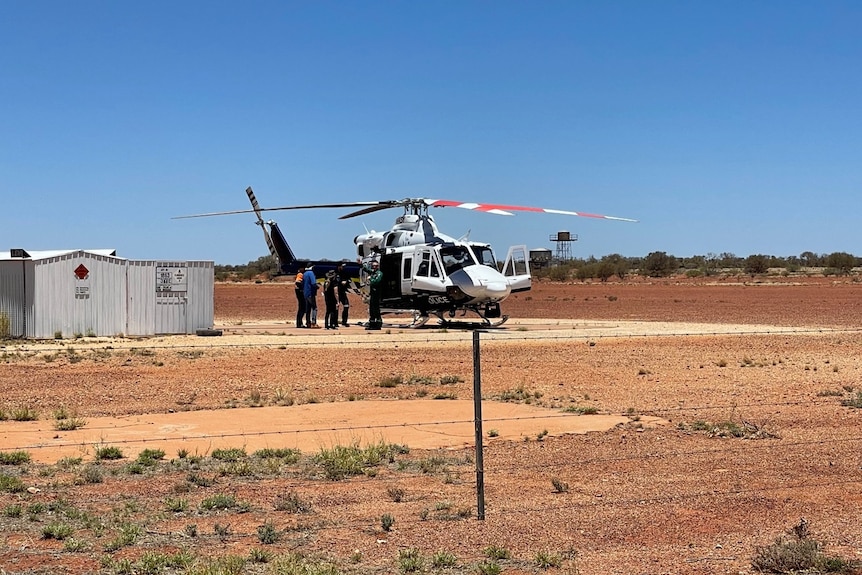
(407,274)
(390,265)
(517,269)
(428,277)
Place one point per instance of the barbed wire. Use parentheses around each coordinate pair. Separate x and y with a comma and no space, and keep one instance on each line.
(385,426)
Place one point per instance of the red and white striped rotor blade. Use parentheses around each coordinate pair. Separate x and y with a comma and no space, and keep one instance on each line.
(505,210)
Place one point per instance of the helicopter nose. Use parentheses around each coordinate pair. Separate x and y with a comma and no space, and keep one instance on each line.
(485,283)
(497,290)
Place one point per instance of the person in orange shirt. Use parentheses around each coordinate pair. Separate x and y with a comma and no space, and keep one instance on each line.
(300,297)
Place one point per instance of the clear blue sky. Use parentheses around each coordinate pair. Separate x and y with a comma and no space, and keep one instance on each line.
(732,126)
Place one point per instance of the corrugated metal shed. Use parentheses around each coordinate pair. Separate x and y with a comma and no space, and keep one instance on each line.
(94,293)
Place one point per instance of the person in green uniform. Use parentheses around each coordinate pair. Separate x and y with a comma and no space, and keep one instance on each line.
(375,284)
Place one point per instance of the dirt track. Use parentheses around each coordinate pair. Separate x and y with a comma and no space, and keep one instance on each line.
(640,499)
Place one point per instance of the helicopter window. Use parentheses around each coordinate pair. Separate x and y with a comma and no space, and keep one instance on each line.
(407,273)
(428,266)
(455,258)
(485,255)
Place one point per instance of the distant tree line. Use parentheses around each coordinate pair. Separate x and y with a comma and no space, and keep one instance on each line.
(655,264)
(661,264)
(264,267)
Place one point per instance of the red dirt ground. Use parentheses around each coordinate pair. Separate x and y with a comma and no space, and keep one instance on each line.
(674,498)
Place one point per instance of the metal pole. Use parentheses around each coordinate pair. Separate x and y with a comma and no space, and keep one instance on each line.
(477,409)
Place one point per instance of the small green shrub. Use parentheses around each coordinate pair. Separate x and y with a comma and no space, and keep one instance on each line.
(24,413)
(222,531)
(390,381)
(127,536)
(546,560)
(268,534)
(176,505)
(13,511)
(58,531)
(410,560)
(10,484)
(287,455)
(69,462)
(232,454)
(291,503)
(496,552)
(74,545)
(798,553)
(149,457)
(581,410)
(14,457)
(386,522)
(488,568)
(256,555)
(853,401)
(219,501)
(66,421)
(417,379)
(559,485)
(443,559)
(90,474)
(108,452)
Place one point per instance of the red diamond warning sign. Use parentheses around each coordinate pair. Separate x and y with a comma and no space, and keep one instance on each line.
(82,272)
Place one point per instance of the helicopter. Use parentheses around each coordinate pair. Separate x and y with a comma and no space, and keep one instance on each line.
(426,273)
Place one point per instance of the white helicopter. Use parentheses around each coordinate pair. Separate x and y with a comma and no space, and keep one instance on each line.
(426,273)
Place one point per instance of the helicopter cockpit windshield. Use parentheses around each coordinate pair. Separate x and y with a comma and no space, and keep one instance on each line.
(455,258)
(485,255)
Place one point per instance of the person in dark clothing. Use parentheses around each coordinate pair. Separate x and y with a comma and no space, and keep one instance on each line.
(330,299)
(375,284)
(309,289)
(343,283)
(300,297)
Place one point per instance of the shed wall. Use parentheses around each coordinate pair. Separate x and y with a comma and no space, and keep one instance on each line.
(170,297)
(201,284)
(92,303)
(142,298)
(84,293)
(16,297)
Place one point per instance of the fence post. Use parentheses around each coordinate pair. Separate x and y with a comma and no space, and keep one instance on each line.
(477,418)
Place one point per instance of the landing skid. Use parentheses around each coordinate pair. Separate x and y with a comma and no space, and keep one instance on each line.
(420,320)
(484,322)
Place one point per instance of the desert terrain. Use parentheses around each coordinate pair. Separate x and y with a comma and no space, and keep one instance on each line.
(644,426)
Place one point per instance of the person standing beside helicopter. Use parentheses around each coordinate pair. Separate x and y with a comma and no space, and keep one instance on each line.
(309,289)
(343,281)
(330,299)
(300,296)
(375,285)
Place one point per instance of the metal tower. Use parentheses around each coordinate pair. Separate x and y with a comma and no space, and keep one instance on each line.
(564,245)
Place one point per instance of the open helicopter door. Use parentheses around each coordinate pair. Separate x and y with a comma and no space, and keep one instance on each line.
(517,269)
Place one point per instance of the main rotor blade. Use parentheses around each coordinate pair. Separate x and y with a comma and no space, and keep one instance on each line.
(370,210)
(504,210)
(307,207)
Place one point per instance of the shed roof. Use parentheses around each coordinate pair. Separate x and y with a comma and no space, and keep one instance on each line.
(46,254)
